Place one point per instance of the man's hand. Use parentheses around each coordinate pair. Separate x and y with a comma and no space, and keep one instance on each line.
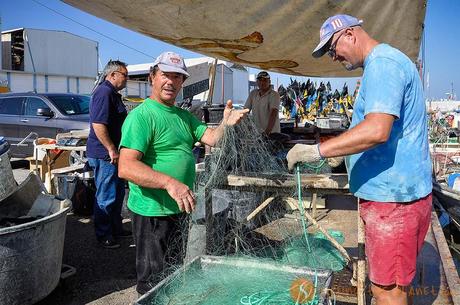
(302,153)
(114,156)
(232,116)
(183,196)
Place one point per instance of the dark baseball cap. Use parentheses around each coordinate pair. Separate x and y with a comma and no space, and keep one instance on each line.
(263,74)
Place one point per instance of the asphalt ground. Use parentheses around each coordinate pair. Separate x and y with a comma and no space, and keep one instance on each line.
(103,276)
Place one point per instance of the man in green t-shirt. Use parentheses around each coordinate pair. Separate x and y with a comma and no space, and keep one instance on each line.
(156,158)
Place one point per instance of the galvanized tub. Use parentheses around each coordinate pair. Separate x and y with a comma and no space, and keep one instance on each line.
(7,183)
(241,265)
(31,252)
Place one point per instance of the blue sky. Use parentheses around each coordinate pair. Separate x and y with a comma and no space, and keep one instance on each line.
(441,36)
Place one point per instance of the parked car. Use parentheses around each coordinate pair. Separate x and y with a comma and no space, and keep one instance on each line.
(45,114)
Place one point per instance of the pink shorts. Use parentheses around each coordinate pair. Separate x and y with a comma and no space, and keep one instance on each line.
(395,233)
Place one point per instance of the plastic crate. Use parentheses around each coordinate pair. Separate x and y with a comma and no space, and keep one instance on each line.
(213,113)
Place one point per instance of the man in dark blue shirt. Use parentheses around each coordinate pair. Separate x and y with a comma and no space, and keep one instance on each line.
(107,114)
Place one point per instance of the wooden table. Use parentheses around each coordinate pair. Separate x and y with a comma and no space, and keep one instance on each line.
(51,158)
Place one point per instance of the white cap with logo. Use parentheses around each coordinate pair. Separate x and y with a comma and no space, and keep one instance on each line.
(171,62)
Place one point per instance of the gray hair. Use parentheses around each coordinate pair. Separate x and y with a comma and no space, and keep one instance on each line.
(112,66)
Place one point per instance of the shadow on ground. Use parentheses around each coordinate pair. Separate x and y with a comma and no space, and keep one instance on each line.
(103,276)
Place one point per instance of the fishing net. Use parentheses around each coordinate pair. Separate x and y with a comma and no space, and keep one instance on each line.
(278,235)
(237,281)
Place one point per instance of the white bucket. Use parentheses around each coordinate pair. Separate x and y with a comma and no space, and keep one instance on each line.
(39,154)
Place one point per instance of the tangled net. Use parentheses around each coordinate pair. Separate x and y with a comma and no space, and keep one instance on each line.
(253,254)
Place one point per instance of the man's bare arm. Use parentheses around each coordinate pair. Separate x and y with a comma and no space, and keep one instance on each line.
(102,134)
(375,129)
(271,120)
(134,170)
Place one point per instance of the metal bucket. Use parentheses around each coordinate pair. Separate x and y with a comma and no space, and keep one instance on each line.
(7,183)
(31,253)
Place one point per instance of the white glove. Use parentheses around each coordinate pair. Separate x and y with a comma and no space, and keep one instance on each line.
(335,161)
(302,153)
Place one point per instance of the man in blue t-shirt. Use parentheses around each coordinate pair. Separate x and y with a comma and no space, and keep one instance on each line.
(107,114)
(388,161)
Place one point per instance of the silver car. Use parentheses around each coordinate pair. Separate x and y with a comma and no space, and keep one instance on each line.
(45,114)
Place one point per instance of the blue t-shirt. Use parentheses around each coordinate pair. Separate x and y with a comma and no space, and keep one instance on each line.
(398,170)
(106,108)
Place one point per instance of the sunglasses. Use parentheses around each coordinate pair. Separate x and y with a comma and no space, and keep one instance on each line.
(332,52)
(124,74)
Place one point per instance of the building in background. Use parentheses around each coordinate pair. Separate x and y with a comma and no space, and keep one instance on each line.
(47,61)
(231,82)
(445,105)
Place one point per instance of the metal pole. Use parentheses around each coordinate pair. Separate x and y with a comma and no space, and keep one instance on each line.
(222,83)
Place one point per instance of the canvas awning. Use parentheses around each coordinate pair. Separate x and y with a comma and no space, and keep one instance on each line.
(275,35)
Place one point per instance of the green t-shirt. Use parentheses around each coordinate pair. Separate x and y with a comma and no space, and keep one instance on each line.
(165,135)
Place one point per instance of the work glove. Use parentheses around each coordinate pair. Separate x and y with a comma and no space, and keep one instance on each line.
(302,153)
(335,161)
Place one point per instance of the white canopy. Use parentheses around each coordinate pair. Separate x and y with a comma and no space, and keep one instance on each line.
(275,35)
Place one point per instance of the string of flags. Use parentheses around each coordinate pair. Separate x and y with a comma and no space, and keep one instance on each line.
(306,101)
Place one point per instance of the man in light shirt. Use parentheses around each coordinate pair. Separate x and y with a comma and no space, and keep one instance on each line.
(264,104)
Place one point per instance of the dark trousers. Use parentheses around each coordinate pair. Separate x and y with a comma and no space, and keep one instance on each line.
(160,245)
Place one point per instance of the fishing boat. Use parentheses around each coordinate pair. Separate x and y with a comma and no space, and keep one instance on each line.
(446,169)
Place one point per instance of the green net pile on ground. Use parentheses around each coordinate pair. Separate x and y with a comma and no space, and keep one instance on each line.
(241,281)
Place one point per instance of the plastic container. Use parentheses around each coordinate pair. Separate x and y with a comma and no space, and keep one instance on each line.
(79,188)
(232,204)
(322,122)
(39,154)
(213,114)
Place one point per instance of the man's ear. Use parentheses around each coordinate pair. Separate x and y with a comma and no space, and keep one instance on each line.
(351,34)
(150,79)
(108,76)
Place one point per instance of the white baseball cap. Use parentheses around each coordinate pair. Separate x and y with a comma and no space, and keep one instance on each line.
(171,62)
